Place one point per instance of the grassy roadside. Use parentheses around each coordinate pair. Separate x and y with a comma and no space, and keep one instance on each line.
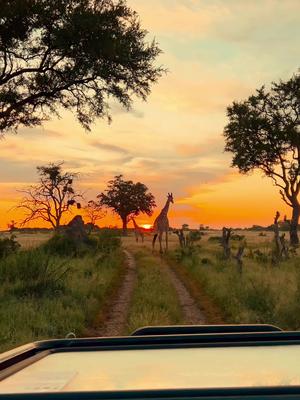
(44,296)
(263,293)
(154,300)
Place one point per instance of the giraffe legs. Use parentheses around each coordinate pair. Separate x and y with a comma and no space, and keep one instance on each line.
(167,240)
(160,242)
(160,236)
(154,240)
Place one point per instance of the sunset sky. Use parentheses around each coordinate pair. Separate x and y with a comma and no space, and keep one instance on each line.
(216,51)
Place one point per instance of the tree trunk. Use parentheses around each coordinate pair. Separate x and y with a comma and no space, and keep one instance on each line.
(226,233)
(124,222)
(277,253)
(294,225)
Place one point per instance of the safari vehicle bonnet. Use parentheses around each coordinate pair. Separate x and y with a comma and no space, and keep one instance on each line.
(176,362)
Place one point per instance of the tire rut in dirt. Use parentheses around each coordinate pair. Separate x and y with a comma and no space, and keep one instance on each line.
(116,321)
(191,312)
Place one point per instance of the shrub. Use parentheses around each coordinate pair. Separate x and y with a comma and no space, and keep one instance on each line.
(107,240)
(8,246)
(258,297)
(206,261)
(237,237)
(261,257)
(33,272)
(217,239)
(65,246)
(189,254)
(61,245)
(194,236)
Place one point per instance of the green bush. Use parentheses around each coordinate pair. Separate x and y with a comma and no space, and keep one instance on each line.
(206,261)
(8,246)
(43,296)
(194,236)
(33,273)
(107,241)
(214,239)
(261,256)
(65,246)
(189,254)
(61,245)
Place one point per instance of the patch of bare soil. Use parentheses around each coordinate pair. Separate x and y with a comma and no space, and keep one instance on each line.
(116,317)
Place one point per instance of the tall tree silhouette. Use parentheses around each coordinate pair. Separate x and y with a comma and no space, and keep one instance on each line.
(72,54)
(127,199)
(264,133)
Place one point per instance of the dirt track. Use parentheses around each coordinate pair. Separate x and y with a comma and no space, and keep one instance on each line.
(116,320)
(191,312)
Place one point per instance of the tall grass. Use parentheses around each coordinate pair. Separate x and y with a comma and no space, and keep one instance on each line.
(154,299)
(263,293)
(46,296)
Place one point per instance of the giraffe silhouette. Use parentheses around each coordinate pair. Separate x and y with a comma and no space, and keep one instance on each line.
(161,224)
(138,231)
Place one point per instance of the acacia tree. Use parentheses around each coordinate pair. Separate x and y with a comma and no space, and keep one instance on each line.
(127,199)
(74,54)
(94,212)
(264,133)
(51,197)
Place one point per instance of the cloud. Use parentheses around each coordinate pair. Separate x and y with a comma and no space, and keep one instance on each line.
(16,171)
(118,109)
(209,147)
(144,164)
(108,147)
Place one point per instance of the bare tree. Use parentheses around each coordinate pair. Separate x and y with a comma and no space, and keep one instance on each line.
(94,212)
(239,257)
(51,197)
(226,233)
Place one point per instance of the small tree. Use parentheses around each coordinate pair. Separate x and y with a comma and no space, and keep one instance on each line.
(51,197)
(264,133)
(94,212)
(72,54)
(127,199)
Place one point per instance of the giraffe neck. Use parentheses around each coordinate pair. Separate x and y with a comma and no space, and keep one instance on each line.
(164,211)
(134,223)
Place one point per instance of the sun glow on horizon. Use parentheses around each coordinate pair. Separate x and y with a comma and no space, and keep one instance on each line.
(146,226)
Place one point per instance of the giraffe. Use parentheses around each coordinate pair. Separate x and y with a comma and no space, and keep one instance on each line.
(138,231)
(161,224)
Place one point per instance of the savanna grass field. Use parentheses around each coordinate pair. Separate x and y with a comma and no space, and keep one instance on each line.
(49,289)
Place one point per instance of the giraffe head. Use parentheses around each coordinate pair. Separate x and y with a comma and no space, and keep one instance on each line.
(170,198)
